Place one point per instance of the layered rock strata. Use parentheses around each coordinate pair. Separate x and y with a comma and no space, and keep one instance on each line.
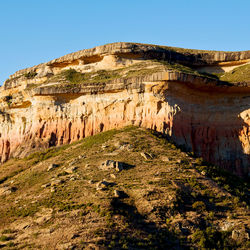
(208,117)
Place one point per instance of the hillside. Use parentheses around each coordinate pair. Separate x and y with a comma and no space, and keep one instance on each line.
(157,197)
(240,74)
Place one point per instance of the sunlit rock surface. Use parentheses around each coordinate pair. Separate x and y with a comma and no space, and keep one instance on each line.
(199,112)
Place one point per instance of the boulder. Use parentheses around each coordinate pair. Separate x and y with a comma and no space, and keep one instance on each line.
(203,173)
(120,194)
(71,170)
(146,156)
(46,185)
(7,190)
(81,157)
(56,182)
(165,158)
(52,166)
(101,185)
(113,176)
(110,164)
(119,166)
(227,225)
(240,235)
(179,161)
(117,193)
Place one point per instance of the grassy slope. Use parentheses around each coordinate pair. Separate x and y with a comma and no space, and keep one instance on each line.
(239,74)
(171,202)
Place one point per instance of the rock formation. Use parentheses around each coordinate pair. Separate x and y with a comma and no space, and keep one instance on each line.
(170,90)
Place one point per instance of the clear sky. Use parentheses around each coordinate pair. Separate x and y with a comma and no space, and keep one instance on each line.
(36,31)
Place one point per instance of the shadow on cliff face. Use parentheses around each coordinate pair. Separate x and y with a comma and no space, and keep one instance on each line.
(214,131)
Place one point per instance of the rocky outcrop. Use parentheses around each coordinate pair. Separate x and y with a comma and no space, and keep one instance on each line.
(116,54)
(202,114)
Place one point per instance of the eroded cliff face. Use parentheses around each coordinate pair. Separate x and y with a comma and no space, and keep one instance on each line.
(206,116)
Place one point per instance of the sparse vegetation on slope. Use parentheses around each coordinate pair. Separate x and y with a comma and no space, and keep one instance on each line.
(75,77)
(30,75)
(239,74)
(170,199)
(71,76)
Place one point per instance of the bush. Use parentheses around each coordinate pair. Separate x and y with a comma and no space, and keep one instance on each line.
(73,76)
(199,206)
(8,231)
(232,183)
(210,238)
(5,238)
(30,74)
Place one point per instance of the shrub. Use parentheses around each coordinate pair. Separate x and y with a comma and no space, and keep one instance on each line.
(8,231)
(11,244)
(210,215)
(5,238)
(30,74)
(232,183)
(73,76)
(199,206)
(212,239)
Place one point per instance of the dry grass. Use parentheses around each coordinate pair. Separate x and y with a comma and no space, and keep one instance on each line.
(239,74)
(167,204)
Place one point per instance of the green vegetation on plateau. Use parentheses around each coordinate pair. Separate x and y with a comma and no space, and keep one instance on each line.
(71,76)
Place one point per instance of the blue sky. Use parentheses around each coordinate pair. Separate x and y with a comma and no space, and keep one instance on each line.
(35,31)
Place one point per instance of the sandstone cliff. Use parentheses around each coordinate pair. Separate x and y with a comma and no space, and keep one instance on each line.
(175,91)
